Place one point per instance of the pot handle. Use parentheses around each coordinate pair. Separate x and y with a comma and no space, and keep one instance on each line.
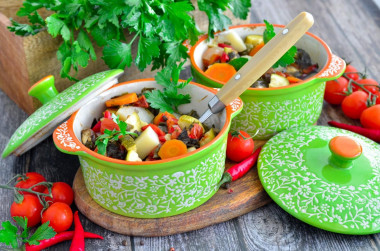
(333,70)
(65,140)
(236,107)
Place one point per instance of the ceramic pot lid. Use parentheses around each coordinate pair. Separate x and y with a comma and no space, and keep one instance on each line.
(330,182)
(56,108)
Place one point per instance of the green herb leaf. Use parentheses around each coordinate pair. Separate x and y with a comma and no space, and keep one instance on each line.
(268,32)
(23,29)
(288,57)
(23,222)
(239,8)
(147,50)
(117,54)
(43,232)
(169,99)
(214,10)
(8,234)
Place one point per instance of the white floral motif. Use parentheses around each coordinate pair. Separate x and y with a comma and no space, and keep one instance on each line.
(64,137)
(271,117)
(52,109)
(308,193)
(335,66)
(236,104)
(155,195)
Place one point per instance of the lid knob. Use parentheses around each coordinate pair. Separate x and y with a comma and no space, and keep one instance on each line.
(44,90)
(344,150)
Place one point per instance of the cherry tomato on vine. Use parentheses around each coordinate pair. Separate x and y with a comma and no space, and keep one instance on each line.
(239,146)
(59,215)
(370,117)
(354,104)
(352,75)
(62,192)
(335,91)
(30,207)
(369,84)
(31,179)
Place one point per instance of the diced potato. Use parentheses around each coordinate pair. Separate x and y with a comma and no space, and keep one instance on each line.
(235,40)
(278,81)
(134,121)
(190,149)
(185,121)
(132,156)
(144,114)
(146,142)
(210,135)
(254,39)
(211,55)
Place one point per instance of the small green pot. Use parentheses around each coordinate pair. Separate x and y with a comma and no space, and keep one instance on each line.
(150,189)
(272,110)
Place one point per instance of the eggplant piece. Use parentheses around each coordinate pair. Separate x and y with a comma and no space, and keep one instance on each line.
(116,150)
(260,84)
(303,59)
(184,137)
(88,138)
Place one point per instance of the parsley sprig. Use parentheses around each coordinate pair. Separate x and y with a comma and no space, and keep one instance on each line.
(10,234)
(102,141)
(288,57)
(169,98)
(160,27)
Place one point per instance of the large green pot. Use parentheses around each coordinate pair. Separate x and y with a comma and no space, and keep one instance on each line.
(273,110)
(150,189)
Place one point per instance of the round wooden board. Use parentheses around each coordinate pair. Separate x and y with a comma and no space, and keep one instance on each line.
(246,194)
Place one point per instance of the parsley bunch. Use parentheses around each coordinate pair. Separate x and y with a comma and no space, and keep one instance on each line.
(288,57)
(159,28)
(10,236)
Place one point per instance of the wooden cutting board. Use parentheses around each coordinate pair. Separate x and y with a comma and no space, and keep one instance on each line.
(245,195)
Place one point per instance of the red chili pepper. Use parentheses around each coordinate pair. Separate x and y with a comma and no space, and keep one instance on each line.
(58,238)
(224,58)
(373,134)
(107,114)
(221,45)
(141,102)
(96,127)
(78,240)
(239,170)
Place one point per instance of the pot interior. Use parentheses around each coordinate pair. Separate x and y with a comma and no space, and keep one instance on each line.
(95,108)
(311,45)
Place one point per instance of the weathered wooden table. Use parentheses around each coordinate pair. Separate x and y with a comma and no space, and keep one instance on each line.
(352,30)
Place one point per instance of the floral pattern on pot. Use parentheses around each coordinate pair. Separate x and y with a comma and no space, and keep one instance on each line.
(159,195)
(269,117)
(350,206)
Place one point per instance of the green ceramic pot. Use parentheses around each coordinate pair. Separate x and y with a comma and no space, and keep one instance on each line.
(272,110)
(150,189)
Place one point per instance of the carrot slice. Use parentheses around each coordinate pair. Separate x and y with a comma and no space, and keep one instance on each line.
(172,148)
(293,80)
(256,49)
(221,71)
(122,100)
(160,117)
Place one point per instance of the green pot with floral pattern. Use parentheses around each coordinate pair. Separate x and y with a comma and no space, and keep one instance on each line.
(150,189)
(268,111)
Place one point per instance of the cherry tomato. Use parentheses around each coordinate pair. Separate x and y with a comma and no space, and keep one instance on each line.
(196,131)
(30,207)
(370,117)
(370,85)
(59,215)
(378,97)
(335,91)
(350,68)
(239,148)
(108,124)
(354,104)
(31,179)
(62,192)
